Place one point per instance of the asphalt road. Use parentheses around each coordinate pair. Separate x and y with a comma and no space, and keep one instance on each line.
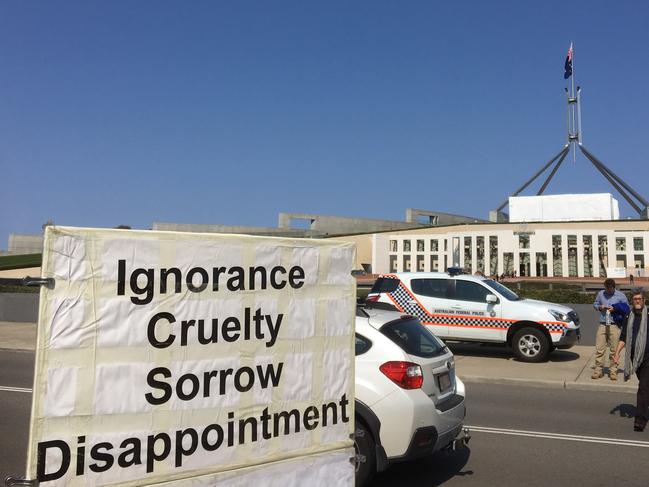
(538,437)
(520,436)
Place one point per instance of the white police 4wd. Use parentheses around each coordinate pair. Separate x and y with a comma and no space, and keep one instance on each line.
(470,308)
(409,403)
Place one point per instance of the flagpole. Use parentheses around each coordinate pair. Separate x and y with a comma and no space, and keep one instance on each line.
(572,110)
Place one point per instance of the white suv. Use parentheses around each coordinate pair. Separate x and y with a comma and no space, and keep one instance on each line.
(463,307)
(409,403)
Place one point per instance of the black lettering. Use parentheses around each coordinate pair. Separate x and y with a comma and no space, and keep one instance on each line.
(286,416)
(97,455)
(180,449)
(224,375)
(269,374)
(237,281)
(134,452)
(147,289)
(121,277)
(242,429)
(265,419)
(334,407)
(231,329)
(216,274)
(194,389)
(164,279)
(207,382)
(185,325)
(205,440)
(42,457)
(190,279)
(230,428)
(237,379)
(152,382)
(273,277)
(262,275)
(81,454)
(152,456)
(343,408)
(310,418)
(295,275)
(213,338)
(151,330)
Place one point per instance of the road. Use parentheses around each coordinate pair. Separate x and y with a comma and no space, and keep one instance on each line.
(538,437)
(520,436)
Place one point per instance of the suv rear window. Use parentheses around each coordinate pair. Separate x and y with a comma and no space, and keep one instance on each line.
(413,338)
(436,288)
(385,285)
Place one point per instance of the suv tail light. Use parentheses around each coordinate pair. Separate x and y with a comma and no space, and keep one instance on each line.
(404,374)
(372,297)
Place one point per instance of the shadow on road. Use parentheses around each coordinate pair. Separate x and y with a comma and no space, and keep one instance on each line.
(427,471)
(624,410)
(502,351)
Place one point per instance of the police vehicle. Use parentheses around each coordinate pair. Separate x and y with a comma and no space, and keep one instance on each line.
(463,307)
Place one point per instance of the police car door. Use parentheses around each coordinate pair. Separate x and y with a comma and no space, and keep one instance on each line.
(430,299)
(474,317)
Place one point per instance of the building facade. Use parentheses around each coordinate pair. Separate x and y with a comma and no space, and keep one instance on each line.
(562,249)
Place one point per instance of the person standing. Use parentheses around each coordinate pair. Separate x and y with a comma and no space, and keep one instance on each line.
(634,332)
(608,331)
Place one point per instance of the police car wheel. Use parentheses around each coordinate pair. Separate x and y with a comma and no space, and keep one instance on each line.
(531,345)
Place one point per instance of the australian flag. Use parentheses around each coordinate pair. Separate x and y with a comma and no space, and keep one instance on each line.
(568,65)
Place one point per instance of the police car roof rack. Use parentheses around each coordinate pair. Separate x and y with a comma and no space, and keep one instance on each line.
(455,271)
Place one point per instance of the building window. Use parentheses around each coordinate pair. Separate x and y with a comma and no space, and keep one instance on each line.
(406,263)
(557,256)
(541,264)
(638,262)
(434,263)
(393,245)
(480,254)
(572,255)
(524,264)
(493,255)
(434,245)
(420,263)
(420,245)
(467,253)
(393,263)
(602,246)
(588,256)
(638,244)
(508,263)
(620,261)
(620,244)
(523,241)
(406,245)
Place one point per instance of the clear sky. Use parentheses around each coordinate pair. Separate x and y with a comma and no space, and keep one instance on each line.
(115,112)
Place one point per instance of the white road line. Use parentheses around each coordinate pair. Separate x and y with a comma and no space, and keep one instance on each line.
(559,436)
(15,389)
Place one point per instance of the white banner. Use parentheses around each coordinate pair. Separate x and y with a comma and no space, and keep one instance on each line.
(166,356)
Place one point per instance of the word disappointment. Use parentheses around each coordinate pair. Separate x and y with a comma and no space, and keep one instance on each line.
(142,282)
(177,445)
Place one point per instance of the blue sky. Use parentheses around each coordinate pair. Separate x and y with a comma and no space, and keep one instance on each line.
(231,112)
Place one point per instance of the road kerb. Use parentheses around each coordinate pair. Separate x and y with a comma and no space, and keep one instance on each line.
(550,384)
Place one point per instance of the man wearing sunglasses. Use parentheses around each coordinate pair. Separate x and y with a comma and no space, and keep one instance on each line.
(636,360)
(613,307)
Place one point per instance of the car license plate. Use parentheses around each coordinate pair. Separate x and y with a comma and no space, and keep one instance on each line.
(444,381)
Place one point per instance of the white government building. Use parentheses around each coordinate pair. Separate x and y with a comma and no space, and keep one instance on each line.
(553,236)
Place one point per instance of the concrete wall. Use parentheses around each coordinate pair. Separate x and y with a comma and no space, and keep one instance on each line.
(25,244)
(19,307)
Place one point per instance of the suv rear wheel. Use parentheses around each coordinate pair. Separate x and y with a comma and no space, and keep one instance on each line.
(365,454)
(531,345)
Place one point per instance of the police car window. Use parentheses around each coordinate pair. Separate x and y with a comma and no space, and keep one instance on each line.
(384,285)
(413,338)
(470,291)
(362,344)
(435,288)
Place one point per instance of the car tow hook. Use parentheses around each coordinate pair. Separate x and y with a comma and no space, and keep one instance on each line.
(462,440)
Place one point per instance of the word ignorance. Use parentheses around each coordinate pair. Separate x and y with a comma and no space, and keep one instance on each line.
(142,282)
